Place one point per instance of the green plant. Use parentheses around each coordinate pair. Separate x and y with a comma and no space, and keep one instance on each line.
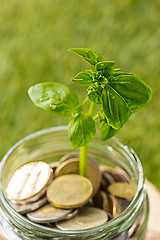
(118,95)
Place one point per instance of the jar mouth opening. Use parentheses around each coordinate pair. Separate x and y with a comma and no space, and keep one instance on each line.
(136,201)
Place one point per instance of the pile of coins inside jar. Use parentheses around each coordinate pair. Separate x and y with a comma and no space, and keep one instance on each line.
(56,196)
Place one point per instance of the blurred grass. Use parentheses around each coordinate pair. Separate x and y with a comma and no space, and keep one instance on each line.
(34,38)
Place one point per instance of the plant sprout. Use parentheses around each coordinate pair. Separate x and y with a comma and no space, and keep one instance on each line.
(118,95)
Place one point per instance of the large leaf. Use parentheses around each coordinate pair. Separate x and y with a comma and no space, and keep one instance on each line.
(54,97)
(115,108)
(133,89)
(83,78)
(88,55)
(81,130)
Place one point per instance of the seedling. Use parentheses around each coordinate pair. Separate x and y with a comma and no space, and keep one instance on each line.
(117,94)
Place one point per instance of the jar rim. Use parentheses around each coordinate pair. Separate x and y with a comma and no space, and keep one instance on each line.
(136,201)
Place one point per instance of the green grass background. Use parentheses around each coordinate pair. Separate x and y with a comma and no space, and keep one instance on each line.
(34,38)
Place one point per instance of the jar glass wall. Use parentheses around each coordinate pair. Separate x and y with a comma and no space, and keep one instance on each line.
(50,145)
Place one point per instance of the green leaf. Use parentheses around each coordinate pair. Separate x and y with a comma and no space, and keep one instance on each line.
(54,97)
(93,74)
(81,107)
(88,55)
(133,90)
(81,130)
(83,78)
(115,108)
(97,77)
(95,93)
(106,67)
(106,131)
(118,73)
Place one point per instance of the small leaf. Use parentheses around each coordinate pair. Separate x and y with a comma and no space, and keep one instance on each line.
(97,77)
(88,55)
(115,108)
(81,107)
(81,130)
(83,78)
(54,97)
(118,73)
(133,89)
(106,131)
(106,67)
(95,93)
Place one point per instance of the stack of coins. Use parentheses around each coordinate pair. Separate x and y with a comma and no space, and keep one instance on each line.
(56,196)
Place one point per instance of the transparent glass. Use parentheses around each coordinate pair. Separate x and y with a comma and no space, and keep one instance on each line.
(50,145)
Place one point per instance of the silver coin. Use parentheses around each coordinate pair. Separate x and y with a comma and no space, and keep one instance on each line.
(87,217)
(29,207)
(48,213)
(71,215)
(53,165)
(29,182)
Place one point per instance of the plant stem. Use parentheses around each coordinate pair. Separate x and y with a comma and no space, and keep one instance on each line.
(84,149)
(83,161)
(92,108)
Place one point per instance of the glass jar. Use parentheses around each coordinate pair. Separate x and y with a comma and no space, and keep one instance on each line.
(50,145)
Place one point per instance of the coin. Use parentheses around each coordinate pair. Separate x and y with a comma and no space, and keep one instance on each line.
(72,214)
(69,191)
(29,182)
(106,180)
(118,177)
(101,201)
(48,213)
(29,207)
(53,165)
(69,156)
(68,216)
(123,190)
(87,217)
(114,207)
(71,166)
(123,203)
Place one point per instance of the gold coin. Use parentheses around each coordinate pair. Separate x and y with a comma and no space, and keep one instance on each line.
(29,182)
(114,206)
(71,166)
(87,217)
(123,190)
(101,201)
(69,191)
(48,213)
